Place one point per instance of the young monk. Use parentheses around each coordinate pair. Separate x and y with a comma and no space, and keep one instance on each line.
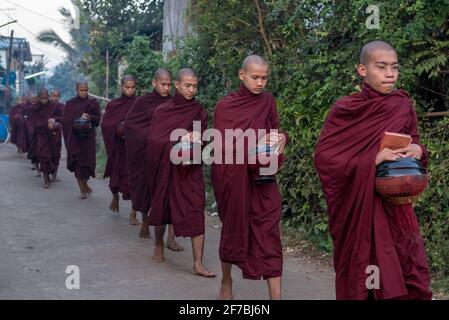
(366,229)
(114,141)
(250,212)
(13,116)
(137,129)
(177,192)
(22,135)
(29,124)
(81,151)
(57,132)
(44,124)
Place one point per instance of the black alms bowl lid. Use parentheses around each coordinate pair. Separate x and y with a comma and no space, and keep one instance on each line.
(403,164)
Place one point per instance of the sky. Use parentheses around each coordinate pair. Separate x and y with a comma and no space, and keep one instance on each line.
(34,16)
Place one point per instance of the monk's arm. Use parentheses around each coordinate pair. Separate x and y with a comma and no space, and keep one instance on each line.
(94,113)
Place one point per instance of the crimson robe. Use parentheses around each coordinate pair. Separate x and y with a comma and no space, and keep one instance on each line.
(31,136)
(137,129)
(366,230)
(250,213)
(81,153)
(177,191)
(13,115)
(22,132)
(117,162)
(58,111)
(45,144)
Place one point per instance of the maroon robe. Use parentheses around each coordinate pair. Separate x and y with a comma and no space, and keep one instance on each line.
(31,136)
(250,213)
(56,136)
(81,153)
(22,132)
(117,163)
(177,191)
(13,115)
(366,230)
(137,129)
(45,149)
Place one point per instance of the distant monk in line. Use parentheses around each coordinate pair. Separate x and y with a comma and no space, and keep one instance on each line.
(112,127)
(249,209)
(14,114)
(137,129)
(44,126)
(57,133)
(177,191)
(80,140)
(29,123)
(22,135)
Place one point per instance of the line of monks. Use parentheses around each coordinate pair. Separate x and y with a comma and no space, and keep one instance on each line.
(137,136)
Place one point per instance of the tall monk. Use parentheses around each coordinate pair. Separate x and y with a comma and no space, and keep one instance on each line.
(81,150)
(137,129)
(44,125)
(112,127)
(366,230)
(177,191)
(250,211)
(55,98)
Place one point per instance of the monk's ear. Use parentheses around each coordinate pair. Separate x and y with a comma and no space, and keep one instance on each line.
(242,74)
(177,84)
(153,83)
(361,69)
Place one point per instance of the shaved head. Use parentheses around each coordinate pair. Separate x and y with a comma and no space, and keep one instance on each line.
(128,77)
(370,47)
(56,92)
(82,84)
(161,74)
(254,59)
(43,91)
(185,72)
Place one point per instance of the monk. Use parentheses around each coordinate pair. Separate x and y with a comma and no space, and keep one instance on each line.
(250,212)
(31,136)
(44,126)
(114,141)
(81,151)
(177,191)
(55,98)
(20,120)
(367,230)
(137,129)
(13,119)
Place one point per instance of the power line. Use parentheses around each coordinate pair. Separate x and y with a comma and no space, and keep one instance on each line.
(34,12)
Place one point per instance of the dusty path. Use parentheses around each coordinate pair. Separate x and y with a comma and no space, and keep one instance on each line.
(44,231)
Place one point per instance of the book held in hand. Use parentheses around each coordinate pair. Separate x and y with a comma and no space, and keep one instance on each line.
(395,141)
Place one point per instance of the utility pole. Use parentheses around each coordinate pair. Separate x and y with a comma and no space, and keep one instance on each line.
(107,75)
(8,71)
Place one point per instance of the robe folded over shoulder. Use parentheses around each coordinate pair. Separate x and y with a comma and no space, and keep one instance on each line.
(366,230)
(117,162)
(250,212)
(137,129)
(177,191)
(45,146)
(81,152)
(56,136)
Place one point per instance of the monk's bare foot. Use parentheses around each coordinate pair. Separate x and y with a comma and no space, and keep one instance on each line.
(133,219)
(47,185)
(88,189)
(226,291)
(200,270)
(144,232)
(83,196)
(173,246)
(34,167)
(114,205)
(38,175)
(158,256)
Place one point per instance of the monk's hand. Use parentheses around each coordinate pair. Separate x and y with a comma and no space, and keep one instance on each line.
(276,140)
(85,116)
(411,151)
(386,155)
(51,123)
(281,144)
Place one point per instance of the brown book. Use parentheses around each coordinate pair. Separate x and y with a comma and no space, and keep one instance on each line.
(395,141)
